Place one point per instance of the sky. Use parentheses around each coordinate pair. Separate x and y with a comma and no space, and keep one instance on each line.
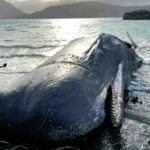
(30,6)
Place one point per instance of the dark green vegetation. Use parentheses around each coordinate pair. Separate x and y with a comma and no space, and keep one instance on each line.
(137,15)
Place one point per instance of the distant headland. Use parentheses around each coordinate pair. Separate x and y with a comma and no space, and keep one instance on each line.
(137,15)
(89,9)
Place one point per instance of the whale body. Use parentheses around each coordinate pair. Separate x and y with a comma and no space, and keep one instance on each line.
(64,97)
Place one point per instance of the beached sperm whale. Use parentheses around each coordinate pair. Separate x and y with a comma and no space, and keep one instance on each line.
(64,97)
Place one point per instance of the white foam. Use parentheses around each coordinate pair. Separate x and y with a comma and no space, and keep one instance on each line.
(138,84)
(146,61)
(139,88)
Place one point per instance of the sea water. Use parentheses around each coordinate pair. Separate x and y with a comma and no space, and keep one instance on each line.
(25,44)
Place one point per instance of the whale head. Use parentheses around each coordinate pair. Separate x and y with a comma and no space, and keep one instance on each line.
(114,61)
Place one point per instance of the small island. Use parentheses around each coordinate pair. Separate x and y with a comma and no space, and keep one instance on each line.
(137,15)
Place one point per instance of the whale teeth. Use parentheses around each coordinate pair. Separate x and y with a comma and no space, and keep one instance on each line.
(113,107)
(113,97)
(114,125)
(113,112)
(116,97)
(113,102)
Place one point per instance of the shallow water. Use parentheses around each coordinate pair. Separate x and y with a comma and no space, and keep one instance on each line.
(25,44)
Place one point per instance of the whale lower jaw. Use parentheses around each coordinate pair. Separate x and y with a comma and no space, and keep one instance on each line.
(116,102)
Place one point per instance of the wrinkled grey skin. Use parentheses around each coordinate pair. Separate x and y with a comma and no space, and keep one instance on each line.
(64,98)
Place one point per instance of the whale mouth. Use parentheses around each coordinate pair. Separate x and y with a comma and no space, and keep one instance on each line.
(116,102)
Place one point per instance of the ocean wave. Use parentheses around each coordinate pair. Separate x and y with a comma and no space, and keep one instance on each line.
(146,61)
(23,55)
(27,46)
(9,29)
(19,72)
(139,87)
(23,31)
(9,40)
(139,84)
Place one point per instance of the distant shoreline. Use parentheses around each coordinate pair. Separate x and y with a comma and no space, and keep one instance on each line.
(137,15)
(89,9)
(59,18)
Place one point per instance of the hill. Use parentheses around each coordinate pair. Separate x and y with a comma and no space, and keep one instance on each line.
(8,11)
(83,10)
